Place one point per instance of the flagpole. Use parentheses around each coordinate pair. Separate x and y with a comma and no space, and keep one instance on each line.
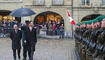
(72,17)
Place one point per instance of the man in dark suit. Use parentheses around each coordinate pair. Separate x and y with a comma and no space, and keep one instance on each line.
(30,39)
(25,50)
(16,36)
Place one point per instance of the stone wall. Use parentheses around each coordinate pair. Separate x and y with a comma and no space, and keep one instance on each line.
(78,13)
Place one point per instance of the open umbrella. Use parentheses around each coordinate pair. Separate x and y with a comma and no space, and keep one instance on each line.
(22,12)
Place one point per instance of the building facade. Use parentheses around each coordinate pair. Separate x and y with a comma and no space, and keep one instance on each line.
(56,10)
(88,9)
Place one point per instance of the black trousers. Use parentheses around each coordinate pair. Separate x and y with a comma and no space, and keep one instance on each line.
(14,53)
(25,51)
(30,52)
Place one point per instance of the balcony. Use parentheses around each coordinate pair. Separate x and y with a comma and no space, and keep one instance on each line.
(57,2)
(39,2)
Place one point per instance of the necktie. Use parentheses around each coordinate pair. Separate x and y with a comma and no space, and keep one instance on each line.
(16,31)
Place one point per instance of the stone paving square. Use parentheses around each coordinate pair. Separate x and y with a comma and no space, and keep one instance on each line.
(46,49)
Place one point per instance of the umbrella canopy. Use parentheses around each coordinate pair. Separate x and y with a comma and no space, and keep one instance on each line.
(22,12)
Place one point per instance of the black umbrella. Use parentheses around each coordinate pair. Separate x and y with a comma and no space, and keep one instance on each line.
(22,12)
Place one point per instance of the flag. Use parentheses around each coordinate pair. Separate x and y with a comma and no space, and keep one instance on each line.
(70,18)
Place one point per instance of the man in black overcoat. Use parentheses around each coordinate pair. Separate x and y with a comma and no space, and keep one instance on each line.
(30,39)
(25,50)
(16,36)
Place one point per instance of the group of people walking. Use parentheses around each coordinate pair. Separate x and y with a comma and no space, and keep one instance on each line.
(90,39)
(28,36)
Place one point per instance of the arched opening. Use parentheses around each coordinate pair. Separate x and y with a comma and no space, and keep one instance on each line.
(90,17)
(4,12)
(51,20)
(7,22)
(4,15)
(44,17)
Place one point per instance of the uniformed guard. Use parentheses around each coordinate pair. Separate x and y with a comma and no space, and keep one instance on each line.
(90,37)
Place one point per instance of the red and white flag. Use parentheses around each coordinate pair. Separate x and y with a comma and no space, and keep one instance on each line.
(70,18)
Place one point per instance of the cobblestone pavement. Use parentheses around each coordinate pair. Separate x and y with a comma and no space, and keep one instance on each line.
(45,50)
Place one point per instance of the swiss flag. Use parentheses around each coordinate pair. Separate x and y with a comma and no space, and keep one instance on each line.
(70,18)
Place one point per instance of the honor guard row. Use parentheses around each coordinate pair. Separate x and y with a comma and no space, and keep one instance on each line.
(90,39)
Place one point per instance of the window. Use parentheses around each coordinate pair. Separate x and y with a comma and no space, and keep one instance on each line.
(39,2)
(58,2)
(11,0)
(103,2)
(86,2)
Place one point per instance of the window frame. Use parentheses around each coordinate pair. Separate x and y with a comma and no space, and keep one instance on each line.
(103,2)
(86,2)
(53,3)
(35,3)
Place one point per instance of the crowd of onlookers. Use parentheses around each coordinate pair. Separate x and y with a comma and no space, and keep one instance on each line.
(51,27)
(55,28)
(6,26)
(9,24)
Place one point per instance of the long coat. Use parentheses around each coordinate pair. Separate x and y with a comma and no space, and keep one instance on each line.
(23,28)
(16,39)
(30,37)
